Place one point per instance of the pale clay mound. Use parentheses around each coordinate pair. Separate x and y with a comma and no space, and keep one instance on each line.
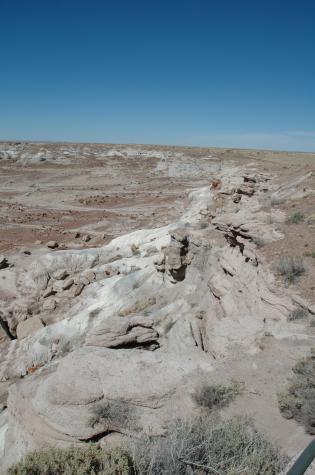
(148,317)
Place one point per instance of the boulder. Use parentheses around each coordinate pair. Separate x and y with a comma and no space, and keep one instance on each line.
(28,327)
(50,304)
(77,289)
(89,275)
(48,292)
(67,283)
(52,244)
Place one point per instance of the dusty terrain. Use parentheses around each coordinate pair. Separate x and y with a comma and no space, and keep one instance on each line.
(165,257)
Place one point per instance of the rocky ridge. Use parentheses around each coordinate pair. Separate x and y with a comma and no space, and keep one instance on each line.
(144,318)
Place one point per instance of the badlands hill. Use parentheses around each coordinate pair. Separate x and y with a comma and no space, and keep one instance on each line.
(138,275)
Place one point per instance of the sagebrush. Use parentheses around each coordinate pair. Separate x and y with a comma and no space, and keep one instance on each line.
(298,400)
(212,396)
(207,445)
(295,218)
(291,268)
(86,460)
(298,314)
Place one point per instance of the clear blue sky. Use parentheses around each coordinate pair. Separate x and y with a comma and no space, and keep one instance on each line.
(198,72)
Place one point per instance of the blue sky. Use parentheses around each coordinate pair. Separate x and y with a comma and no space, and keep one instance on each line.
(198,72)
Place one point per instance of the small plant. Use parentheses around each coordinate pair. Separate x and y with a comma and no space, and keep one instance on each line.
(276,200)
(87,460)
(213,396)
(259,241)
(295,218)
(309,254)
(113,413)
(291,268)
(204,225)
(298,400)
(297,314)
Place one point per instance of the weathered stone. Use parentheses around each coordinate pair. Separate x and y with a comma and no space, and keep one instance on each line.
(77,289)
(246,189)
(49,304)
(67,283)
(3,262)
(179,235)
(237,198)
(60,274)
(89,275)
(311,309)
(48,292)
(52,244)
(122,331)
(28,327)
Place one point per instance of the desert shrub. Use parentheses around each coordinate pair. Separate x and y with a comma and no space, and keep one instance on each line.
(210,443)
(113,413)
(297,314)
(295,218)
(86,460)
(259,241)
(309,254)
(204,225)
(277,200)
(213,396)
(298,400)
(291,268)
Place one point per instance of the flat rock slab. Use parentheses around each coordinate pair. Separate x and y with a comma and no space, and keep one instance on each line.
(28,327)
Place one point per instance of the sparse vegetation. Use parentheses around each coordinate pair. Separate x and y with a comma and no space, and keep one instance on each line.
(298,314)
(291,268)
(213,396)
(204,225)
(259,241)
(113,413)
(87,460)
(298,400)
(309,254)
(276,200)
(207,445)
(295,218)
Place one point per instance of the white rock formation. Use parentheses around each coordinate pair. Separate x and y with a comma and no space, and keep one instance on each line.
(200,294)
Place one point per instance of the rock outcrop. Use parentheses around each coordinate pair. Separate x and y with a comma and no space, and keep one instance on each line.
(196,295)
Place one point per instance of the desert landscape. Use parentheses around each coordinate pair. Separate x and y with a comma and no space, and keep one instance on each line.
(145,285)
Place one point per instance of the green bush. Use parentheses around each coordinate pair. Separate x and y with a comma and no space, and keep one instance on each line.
(295,218)
(86,460)
(298,400)
(213,396)
(228,447)
(291,268)
(297,314)
(309,254)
